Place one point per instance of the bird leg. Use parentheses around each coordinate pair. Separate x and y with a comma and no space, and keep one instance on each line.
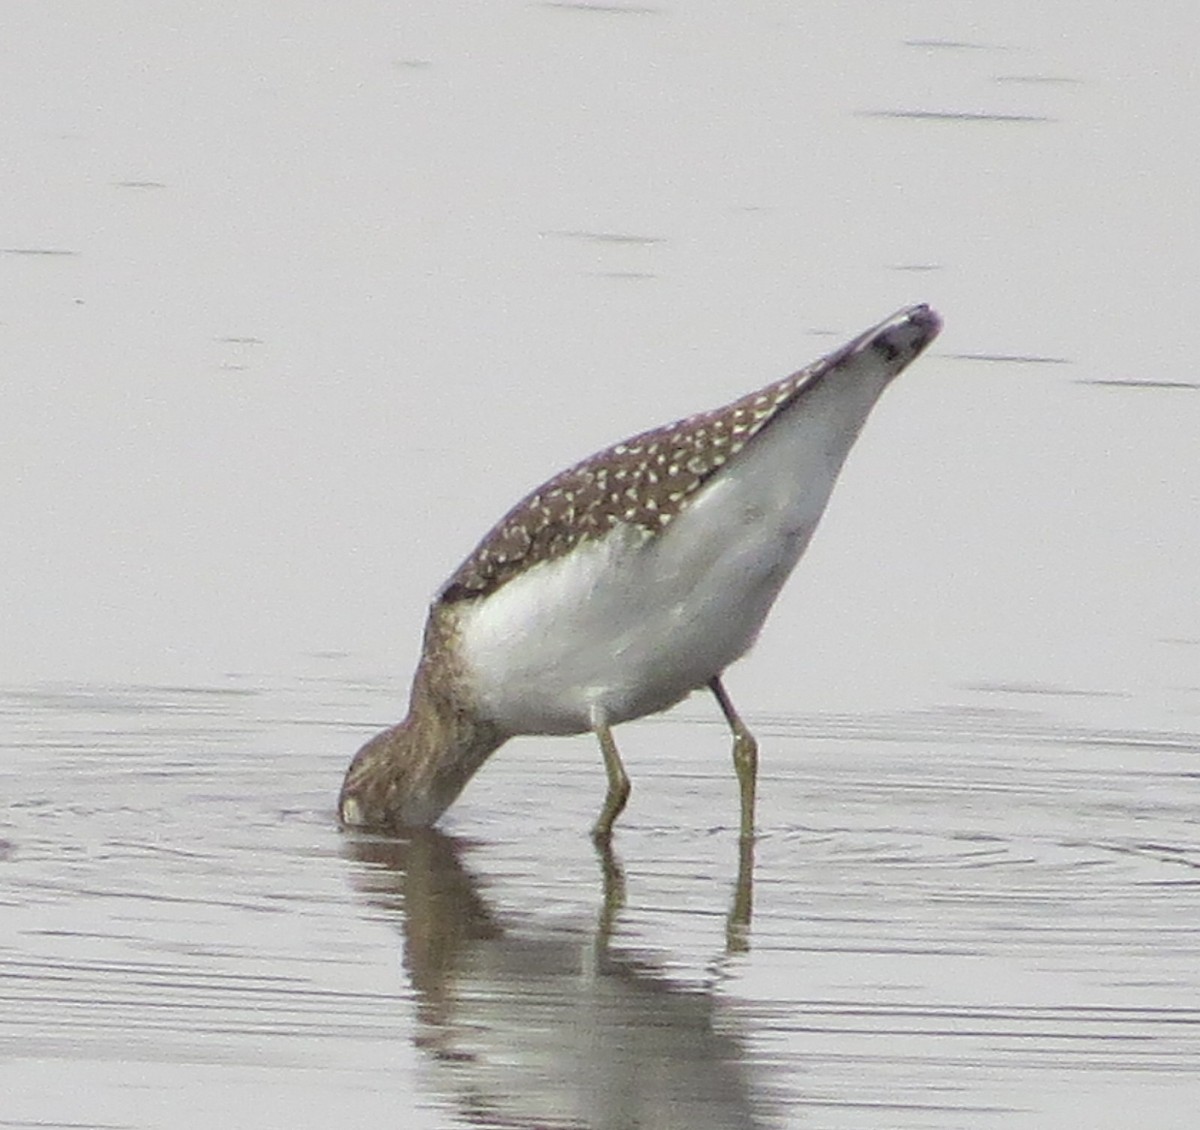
(745,755)
(618,781)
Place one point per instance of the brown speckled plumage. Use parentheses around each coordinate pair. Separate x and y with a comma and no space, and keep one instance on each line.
(642,482)
(426,760)
(616,633)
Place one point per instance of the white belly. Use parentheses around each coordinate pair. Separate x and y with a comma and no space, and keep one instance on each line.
(630,624)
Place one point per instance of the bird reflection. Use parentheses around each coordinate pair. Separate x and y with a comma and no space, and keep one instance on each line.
(553,1027)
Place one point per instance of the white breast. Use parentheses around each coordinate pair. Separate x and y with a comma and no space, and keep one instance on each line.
(630,624)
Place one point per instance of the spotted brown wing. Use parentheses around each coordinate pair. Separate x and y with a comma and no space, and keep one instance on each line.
(642,482)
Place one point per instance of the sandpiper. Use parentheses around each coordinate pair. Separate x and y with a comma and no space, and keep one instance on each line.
(626,582)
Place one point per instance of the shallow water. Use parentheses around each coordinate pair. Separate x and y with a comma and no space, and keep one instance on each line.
(948,920)
(293,309)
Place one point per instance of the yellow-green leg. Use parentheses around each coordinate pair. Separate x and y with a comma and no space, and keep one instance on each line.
(745,755)
(618,781)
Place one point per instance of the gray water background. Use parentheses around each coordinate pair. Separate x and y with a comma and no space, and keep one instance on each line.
(294,303)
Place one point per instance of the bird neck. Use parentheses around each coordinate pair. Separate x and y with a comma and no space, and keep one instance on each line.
(408,775)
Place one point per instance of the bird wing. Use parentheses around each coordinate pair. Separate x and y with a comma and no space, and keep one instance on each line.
(642,482)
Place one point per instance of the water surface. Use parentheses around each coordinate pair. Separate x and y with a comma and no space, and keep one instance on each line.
(293,307)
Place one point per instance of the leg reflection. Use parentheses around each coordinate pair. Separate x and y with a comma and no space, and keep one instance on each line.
(737,924)
(737,921)
(613,893)
(530,1019)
